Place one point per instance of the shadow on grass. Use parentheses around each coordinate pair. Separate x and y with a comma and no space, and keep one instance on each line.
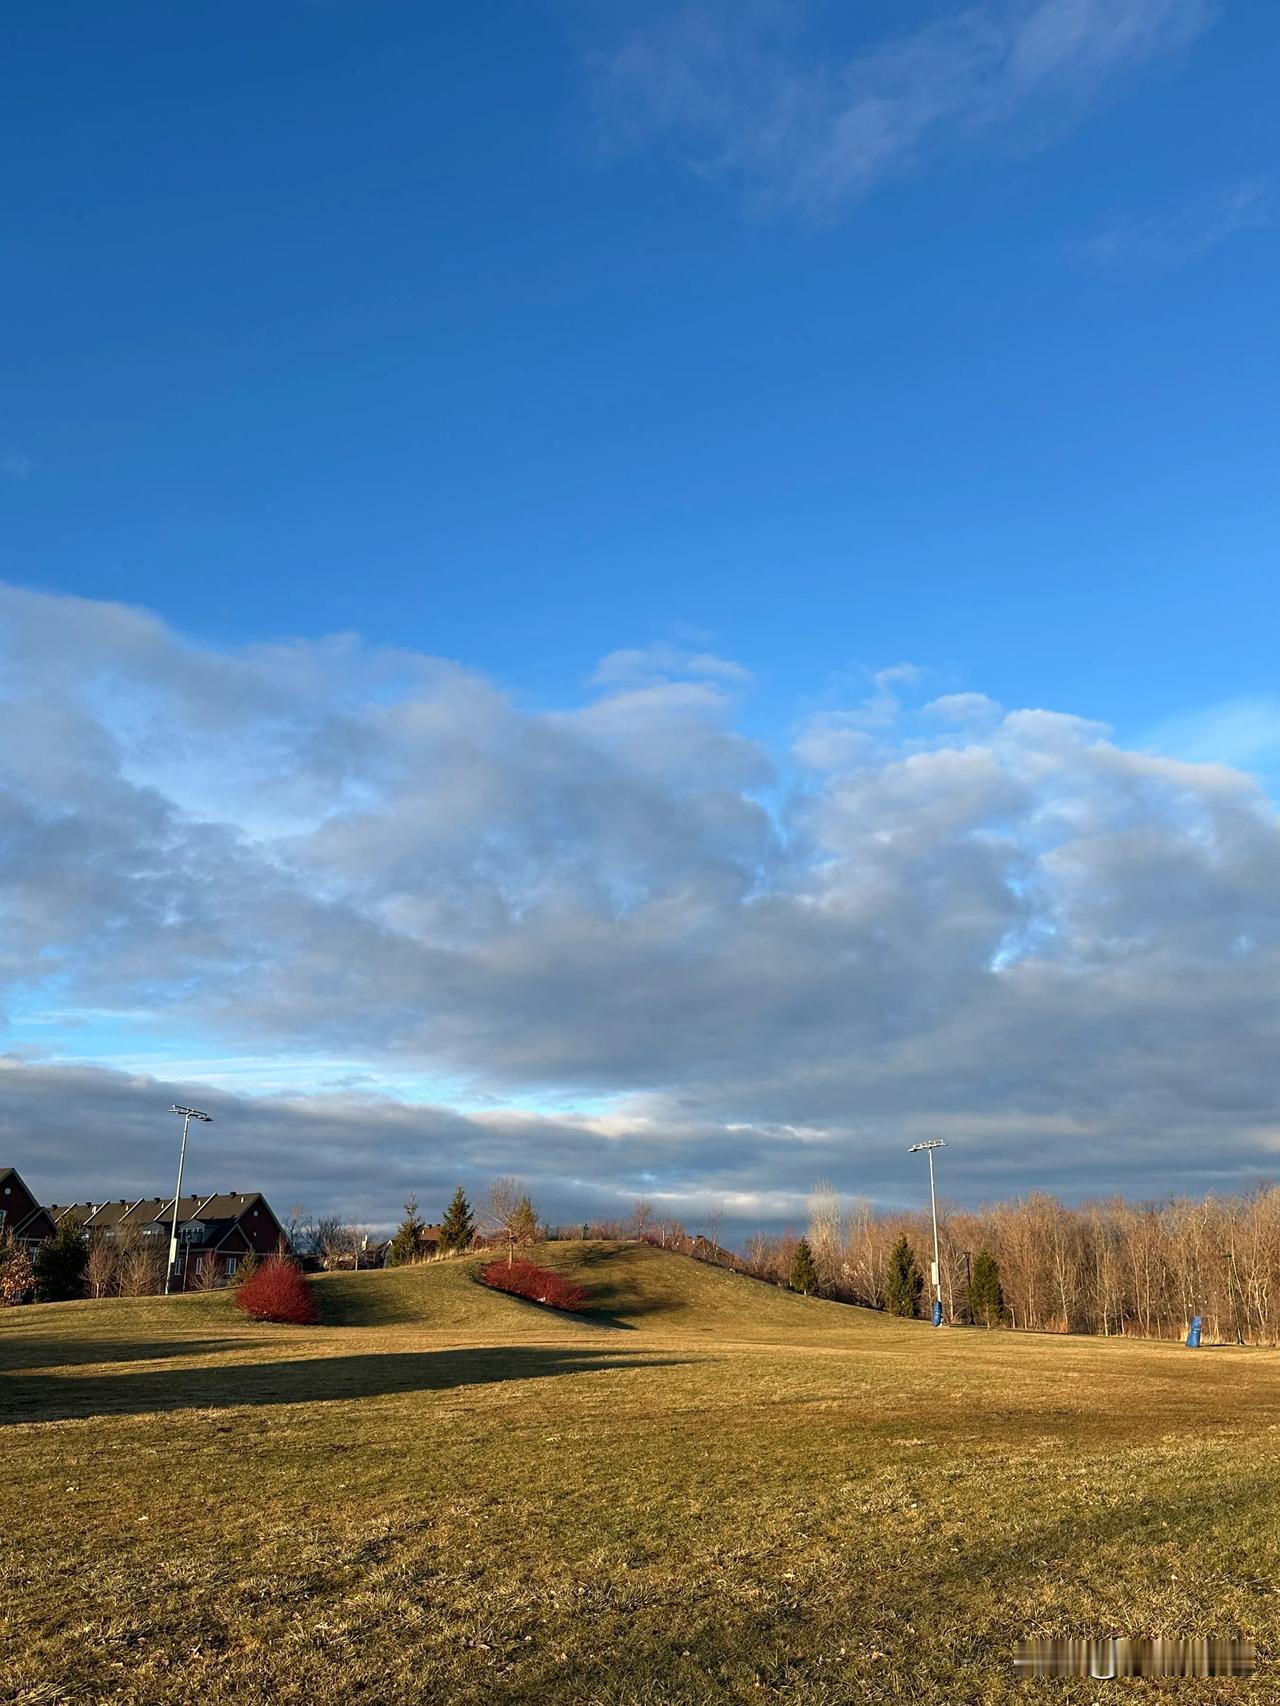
(303,1380)
(67,1352)
(594,1312)
(608,1295)
(377,1307)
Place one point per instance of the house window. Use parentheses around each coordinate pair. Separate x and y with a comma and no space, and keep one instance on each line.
(233,1262)
(199,1264)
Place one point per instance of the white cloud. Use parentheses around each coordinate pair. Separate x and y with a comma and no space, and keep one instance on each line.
(1174,237)
(648,666)
(1243,733)
(342,854)
(737,90)
(963,708)
(830,740)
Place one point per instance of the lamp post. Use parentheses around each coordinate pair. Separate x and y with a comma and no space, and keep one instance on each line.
(188,1114)
(934,1143)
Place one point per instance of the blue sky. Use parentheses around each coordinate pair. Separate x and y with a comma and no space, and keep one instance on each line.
(817,340)
(326,316)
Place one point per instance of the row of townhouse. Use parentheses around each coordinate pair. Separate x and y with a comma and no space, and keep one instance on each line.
(215,1233)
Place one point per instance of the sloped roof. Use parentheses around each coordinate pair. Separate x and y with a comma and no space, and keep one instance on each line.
(225,1207)
(9,1177)
(219,1212)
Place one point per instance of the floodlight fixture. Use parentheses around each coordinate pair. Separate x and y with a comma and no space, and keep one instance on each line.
(929,1147)
(188,1114)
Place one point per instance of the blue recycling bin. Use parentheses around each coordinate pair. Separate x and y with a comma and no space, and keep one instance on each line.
(1193,1337)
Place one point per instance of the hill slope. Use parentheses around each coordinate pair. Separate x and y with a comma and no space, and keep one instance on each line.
(630,1285)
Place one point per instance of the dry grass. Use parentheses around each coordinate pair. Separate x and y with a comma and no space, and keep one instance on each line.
(709,1491)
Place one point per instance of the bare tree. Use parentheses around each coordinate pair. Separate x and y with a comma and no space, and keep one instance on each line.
(715,1227)
(330,1243)
(511,1214)
(823,1235)
(141,1262)
(299,1229)
(101,1269)
(207,1274)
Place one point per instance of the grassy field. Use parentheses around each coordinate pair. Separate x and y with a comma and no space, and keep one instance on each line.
(708,1490)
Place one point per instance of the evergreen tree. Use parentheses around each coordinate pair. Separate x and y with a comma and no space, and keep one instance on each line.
(986,1299)
(523,1226)
(804,1274)
(458,1227)
(60,1263)
(904,1285)
(409,1243)
(248,1266)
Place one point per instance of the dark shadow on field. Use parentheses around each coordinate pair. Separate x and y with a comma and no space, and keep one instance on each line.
(607,1295)
(590,1315)
(377,1297)
(21,1353)
(595,1312)
(304,1380)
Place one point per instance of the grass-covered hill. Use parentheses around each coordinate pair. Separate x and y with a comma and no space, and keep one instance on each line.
(630,1285)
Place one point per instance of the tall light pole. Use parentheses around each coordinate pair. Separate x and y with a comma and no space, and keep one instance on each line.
(934,1143)
(188,1114)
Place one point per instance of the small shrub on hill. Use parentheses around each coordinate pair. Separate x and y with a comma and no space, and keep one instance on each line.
(539,1285)
(278,1291)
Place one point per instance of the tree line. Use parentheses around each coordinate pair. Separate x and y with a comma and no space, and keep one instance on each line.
(1113,1268)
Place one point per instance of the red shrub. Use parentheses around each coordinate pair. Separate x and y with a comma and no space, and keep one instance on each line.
(278,1291)
(539,1285)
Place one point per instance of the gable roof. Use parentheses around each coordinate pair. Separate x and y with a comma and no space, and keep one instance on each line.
(21,1214)
(220,1214)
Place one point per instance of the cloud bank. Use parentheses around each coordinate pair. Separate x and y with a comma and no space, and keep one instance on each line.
(751,967)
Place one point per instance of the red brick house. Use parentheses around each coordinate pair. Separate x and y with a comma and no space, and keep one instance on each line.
(20,1213)
(215,1233)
